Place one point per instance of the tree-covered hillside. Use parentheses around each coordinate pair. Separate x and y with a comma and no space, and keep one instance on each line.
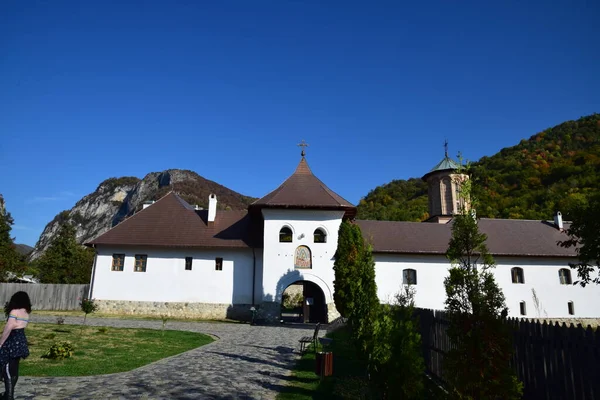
(398,200)
(549,172)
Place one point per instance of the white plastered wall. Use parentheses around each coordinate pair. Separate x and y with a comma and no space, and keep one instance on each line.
(541,274)
(166,279)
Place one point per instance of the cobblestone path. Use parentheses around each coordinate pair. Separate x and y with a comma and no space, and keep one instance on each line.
(246,362)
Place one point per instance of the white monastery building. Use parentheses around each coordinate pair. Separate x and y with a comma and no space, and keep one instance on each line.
(171,258)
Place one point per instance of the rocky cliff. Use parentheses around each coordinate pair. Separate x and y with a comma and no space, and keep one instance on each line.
(118,198)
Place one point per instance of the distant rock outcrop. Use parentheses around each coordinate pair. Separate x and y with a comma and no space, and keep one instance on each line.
(118,198)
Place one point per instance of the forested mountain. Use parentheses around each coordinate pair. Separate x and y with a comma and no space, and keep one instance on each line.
(549,172)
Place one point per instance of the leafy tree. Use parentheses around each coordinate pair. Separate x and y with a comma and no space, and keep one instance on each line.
(398,366)
(88,306)
(479,365)
(10,259)
(583,235)
(346,266)
(65,261)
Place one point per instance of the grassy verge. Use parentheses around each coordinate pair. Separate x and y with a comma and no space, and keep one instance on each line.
(102,350)
(76,313)
(348,381)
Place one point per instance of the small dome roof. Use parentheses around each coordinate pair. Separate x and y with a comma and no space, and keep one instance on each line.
(447,164)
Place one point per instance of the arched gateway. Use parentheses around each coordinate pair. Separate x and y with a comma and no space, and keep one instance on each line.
(303,301)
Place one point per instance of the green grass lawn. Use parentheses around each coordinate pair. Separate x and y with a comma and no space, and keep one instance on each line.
(349,379)
(102,350)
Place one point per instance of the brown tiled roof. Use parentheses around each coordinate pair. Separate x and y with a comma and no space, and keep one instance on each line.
(506,237)
(171,222)
(303,190)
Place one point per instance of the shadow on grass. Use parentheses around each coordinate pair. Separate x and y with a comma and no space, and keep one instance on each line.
(288,377)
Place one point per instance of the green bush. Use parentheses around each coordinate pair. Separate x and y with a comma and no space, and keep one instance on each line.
(60,351)
(88,306)
(292,301)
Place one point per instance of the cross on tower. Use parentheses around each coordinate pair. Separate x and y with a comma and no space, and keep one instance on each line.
(446,147)
(303,144)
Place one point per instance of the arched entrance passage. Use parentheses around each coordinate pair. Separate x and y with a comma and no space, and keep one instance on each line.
(303,301)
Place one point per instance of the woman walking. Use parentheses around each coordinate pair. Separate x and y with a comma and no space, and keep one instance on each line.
(13,343)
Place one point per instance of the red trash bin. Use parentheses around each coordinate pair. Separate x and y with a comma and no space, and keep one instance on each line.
(324,364)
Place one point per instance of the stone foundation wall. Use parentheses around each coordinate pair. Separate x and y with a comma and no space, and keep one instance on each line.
(239,312)
(332,313)
(268,311)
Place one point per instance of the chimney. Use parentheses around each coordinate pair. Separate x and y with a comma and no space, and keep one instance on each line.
(212,208)
(558,221)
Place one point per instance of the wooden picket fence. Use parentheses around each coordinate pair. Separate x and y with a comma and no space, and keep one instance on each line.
(47,296)
(553,361)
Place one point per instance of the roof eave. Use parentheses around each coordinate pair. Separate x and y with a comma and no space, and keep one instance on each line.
(182,246)
(388,251)
(427,175)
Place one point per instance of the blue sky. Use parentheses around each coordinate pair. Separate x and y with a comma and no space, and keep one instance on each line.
(91,90)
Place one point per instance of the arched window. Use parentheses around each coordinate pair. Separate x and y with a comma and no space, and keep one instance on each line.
(523,308)
(517,275)
(571,308)
(320,236)
(409,277)
(565,276)
(285,235)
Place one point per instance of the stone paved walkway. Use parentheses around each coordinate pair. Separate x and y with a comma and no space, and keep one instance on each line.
(246,362)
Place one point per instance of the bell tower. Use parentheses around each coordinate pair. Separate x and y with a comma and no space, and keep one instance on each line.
(443,189)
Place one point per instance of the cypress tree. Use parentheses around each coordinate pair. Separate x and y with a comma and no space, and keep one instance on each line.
(346,266)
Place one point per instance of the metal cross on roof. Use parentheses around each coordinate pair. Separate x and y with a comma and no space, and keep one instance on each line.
(303,144)
(446,147)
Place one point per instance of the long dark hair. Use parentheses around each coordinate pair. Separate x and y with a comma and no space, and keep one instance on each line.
(18,300)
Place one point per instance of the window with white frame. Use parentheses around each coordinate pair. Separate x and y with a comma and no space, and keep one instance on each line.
(564,275)
(320,236)
(140,262)
(285,235)
(517,275)
(409,276)
(118,261)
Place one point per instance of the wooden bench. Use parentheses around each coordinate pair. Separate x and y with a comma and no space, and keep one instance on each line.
(308,339)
